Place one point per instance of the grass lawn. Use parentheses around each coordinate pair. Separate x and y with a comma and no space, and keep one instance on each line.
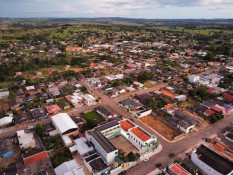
(93,116)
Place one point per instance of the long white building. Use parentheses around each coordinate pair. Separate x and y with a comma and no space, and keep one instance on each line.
(210,162)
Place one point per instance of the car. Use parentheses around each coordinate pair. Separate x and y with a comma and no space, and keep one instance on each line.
(146,159)
(171,154)
(158,165)
(122,173)
(30,127)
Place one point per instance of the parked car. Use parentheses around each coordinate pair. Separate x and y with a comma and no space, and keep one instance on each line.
(122,173)
(146,159)
(30,127)
(171,154)
(158,165)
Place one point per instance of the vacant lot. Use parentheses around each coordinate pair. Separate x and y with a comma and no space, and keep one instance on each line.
(93,116)
(159,126)
(122,143)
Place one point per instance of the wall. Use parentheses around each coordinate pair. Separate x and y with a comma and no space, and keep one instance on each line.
(35,158)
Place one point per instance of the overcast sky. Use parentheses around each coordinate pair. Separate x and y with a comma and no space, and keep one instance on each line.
(118,8)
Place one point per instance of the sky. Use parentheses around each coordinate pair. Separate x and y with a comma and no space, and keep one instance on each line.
(151,9)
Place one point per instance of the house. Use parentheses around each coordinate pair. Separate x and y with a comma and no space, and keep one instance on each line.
(96,165)
(38,113)
(64,105)
(4,94)
(20,91)
(62,81)
(130,104)
(30,88)
(53,109)
(137,85)
(210,162)
(26,140)
(82,147)
(194,79)
(70,167)
(21,118)
(5,121)
(177,169)
(180,98)
(104,112)
(50,84)
(35,151)
(89,100)
(54,91)
(75,99)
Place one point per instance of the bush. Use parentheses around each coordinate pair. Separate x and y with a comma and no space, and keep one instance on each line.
(11,164)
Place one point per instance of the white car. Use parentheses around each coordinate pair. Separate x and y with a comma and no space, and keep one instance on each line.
(146,159)
(30,127)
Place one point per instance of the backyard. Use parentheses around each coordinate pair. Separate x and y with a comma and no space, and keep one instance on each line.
(92,116)
(160,126)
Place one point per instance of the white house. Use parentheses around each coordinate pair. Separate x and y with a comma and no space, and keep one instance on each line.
(26,140)
(69,168)
(194,78)
(5,121)
(89,100)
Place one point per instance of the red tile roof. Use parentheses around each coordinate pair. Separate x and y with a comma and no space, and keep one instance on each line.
(73,48)
(169,94)
(126,125)
(228,96)
(179,170)
(210,112)
(140,134)
(53,109)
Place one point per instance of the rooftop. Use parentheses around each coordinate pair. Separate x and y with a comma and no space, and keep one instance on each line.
(214,160)
(103,141)
(179,170)
(140,134)
(63,122)
(107,125)
(169,94)
(126,125)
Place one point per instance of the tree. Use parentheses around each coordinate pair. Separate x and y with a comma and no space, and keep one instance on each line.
(131,157)
(39,129)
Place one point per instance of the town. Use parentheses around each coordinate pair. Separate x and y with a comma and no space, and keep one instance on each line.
(116,96)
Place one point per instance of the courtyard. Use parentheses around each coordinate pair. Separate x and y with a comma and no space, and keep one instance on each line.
(122,143)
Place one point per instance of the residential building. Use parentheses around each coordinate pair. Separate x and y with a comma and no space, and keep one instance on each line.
(89,100)
(70,167)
